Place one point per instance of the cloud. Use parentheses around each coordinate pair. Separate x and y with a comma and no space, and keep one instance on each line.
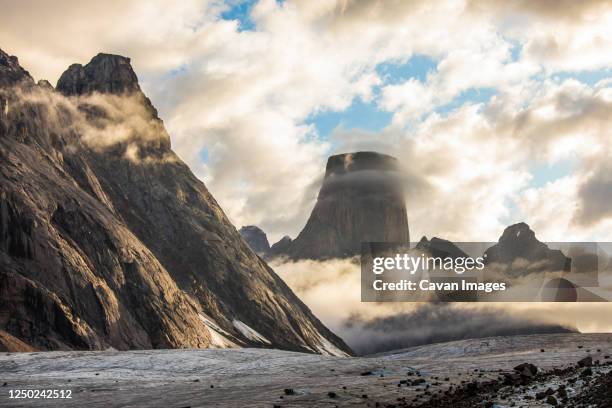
(436,323)
(332,290)
(238,103)
(99,121)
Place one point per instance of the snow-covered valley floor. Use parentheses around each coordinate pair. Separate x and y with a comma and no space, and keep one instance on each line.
(267,378)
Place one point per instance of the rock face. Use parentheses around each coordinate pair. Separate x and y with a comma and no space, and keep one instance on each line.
(440,248)
(105,73)
(518,241)
(361,200)
(256,238)
(108,239)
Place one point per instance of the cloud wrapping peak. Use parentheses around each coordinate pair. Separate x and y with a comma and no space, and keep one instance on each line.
(475,132)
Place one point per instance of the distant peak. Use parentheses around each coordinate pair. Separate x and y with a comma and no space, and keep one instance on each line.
(11,73)
(520,230)
(105,73)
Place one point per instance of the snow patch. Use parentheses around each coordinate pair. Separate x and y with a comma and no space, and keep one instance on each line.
(328,349)
(217,334)
(249,333)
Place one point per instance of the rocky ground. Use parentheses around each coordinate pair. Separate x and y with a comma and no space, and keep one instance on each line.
(569,370)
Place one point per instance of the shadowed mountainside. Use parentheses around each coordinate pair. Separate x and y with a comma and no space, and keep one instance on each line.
(361,200)
(108,239)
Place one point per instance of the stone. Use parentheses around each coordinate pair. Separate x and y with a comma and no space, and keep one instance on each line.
(586,362)
(100,248)
(362,199)
(526,370)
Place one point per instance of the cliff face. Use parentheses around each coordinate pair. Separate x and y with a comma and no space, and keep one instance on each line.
(518,241)
(108,239)
(361,200)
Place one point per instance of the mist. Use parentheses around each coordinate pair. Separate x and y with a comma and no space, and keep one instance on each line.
(331,289)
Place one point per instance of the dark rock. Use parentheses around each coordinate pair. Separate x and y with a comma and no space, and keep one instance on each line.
(289,391)
(586,372)
(280,247)
(543,394)
(11,73)
(586,362)
(105,73)
(519,242)
(256,238)
(561,392)
(526,370)
(332,394)
(551,400)
(43,83)
(98,249)
(440,248)
(361,200)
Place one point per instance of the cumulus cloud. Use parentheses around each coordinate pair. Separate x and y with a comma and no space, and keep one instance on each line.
(238,103)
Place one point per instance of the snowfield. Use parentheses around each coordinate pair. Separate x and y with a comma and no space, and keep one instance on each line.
(259,377)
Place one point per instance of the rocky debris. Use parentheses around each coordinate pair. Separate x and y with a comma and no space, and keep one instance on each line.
(518,241)
(586,362)
(543,394)
(526,370)
(361,200)
(318,375)
(256,238)
(101,248)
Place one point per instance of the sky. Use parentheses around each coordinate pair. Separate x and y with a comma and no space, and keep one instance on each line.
(497,109)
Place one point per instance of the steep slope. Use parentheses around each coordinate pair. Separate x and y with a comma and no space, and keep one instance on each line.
(361,200)
(108,239)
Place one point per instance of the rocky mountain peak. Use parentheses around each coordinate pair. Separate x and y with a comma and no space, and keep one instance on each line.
(256,238)
(11,73)
(361,200)
(105,73)
(518,232)
(518,241)
(102,249)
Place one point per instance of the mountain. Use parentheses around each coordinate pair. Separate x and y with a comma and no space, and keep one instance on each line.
(361,200)
(107,239)
(440,248)
(518,242)
(256,238)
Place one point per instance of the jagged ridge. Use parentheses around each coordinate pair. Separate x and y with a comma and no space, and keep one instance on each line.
(115,242)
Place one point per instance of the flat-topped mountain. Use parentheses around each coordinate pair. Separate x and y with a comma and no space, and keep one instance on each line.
(361,200)
(107,239)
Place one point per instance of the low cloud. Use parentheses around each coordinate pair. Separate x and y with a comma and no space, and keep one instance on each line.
(332,290)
